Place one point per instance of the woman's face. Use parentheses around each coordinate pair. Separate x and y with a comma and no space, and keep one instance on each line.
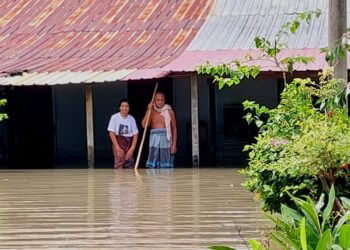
(159,100)
(124,108)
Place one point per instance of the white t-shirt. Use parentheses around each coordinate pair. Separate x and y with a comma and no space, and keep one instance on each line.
(123,126)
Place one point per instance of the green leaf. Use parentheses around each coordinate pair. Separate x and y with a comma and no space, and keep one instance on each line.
(337,99)
(326,240)
(236,80)
(327,211)
(283,241)
(337,247)
(303,241)
(255,72)
(309,210)
(229,82)
(290,213)
(259,123)
(344,236)
(256,245)
(221,248)
(221,84)
(346,202)
(341,53)
(330,57)
(320,203)
(295,26)
(323,103)
(342,220)
(240,75)
(272,52)
(318,12)
(248,117)
(245,71)
(347,46)
(324,50)
(258,42)
(289,67)
(3,102)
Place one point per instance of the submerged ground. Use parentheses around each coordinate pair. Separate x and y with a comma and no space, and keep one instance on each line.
(118,209)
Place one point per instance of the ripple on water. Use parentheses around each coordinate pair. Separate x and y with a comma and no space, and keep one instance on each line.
(118,209)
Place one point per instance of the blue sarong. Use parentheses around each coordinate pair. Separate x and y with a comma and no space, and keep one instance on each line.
(159,155)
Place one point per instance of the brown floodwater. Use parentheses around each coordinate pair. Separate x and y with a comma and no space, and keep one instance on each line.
(119,209)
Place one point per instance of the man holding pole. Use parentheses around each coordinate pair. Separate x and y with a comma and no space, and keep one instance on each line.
(163,133)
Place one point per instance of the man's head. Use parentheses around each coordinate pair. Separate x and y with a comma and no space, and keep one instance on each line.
(159,100)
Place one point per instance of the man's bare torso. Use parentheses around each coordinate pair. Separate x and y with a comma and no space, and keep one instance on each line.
(157,120)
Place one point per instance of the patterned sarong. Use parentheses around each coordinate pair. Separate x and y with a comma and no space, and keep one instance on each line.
(125,144)
(159,150)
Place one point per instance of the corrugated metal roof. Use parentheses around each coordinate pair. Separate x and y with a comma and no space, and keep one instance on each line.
(64,77)
(67,41)
(233,24)
(190,59)
(43,37)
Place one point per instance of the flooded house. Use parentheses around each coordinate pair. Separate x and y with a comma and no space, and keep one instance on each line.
(65,64)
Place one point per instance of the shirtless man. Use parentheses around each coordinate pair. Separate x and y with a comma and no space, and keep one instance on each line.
(163,137)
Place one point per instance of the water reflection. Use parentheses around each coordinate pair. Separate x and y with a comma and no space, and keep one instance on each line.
(118,209)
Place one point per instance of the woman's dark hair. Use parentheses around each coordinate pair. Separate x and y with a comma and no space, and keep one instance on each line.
(123,100)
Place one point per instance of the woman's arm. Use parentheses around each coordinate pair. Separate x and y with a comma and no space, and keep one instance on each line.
(115,144)
(132,148)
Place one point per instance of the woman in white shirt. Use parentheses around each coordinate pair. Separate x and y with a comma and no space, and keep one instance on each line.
(123,133)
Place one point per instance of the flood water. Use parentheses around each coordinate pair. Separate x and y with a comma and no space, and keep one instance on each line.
(119,209)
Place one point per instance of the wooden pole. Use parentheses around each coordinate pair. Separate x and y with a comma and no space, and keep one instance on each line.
(89,126)
(194,120)
(336,28)
(337,22)
(145,130)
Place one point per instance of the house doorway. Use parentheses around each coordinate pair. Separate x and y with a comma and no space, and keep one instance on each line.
(30,130)
(139,95)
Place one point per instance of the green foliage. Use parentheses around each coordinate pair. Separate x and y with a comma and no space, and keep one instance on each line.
(270,49)
(292,26)
(289,62)
(3,116)
(233,73)
(301,142)
(311,226)
(302,147)
(229,74)
(221,248)
(338,51)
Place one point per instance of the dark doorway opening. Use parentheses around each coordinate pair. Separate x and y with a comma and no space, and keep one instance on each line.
(30,141)
(139,95)
(237,133)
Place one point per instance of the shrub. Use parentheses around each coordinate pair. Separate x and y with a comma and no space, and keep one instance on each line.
(303,147)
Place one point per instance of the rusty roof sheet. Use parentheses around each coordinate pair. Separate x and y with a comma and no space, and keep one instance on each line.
(43,37)
(70,41)
(190,59)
